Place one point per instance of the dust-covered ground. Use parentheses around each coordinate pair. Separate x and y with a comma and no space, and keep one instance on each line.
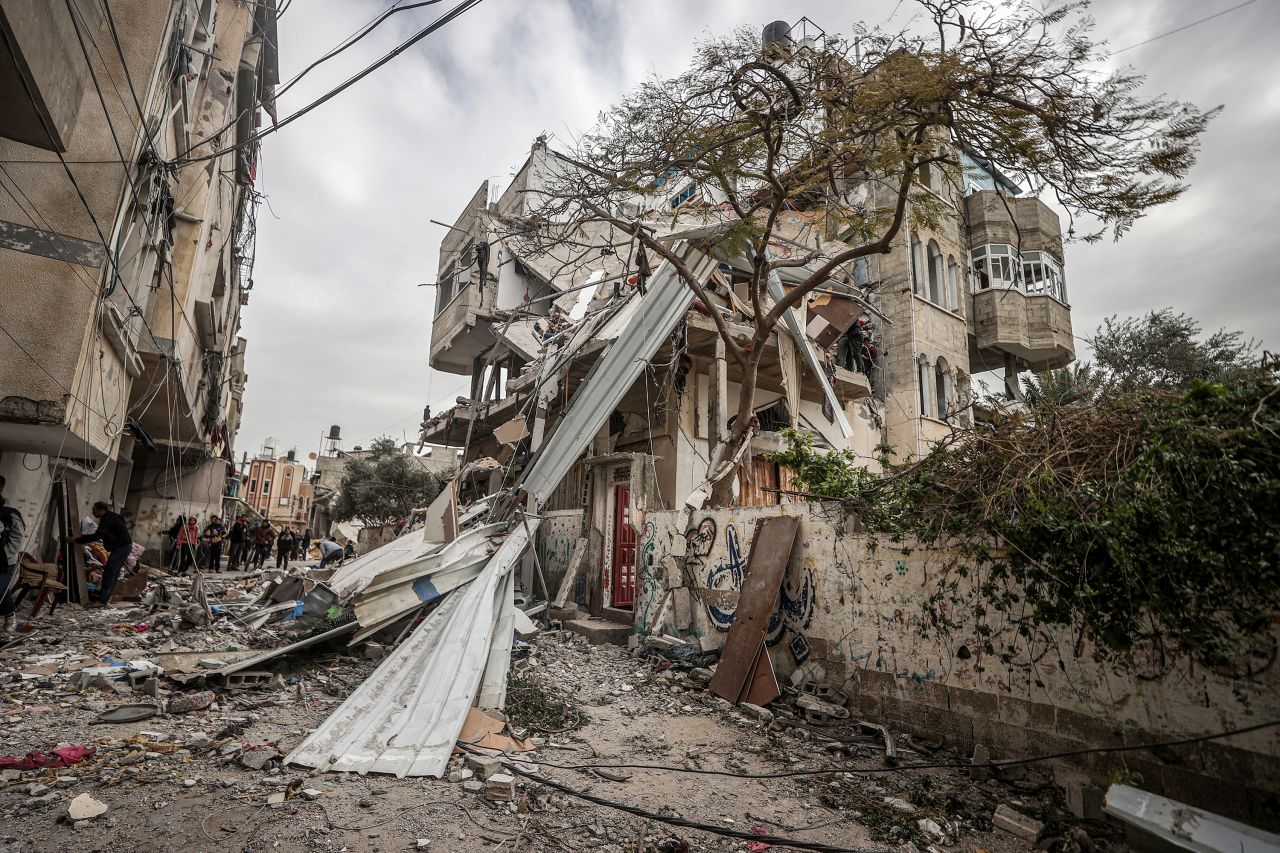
(205,780)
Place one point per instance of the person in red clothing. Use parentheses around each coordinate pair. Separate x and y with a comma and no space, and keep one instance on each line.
(188,540)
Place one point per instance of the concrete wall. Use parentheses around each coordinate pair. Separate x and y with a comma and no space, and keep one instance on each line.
(557,536)
(859,613)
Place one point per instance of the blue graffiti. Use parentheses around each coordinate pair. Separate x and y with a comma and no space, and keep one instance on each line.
(726,576)
(795,607)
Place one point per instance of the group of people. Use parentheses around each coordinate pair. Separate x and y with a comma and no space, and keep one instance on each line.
(249,544)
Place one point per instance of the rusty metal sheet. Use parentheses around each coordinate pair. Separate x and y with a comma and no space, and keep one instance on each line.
(766,566)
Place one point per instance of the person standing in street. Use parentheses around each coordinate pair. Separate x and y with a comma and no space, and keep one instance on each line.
(12,533)
(284,547)
(263,540)
(114,535)
(187,540)
(304,544)
(236,537)
(214,534)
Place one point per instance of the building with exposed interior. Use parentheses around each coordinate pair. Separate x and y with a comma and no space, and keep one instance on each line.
(127,210)
(982,291)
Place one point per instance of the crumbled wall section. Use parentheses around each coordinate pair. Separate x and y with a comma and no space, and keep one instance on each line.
(859,613)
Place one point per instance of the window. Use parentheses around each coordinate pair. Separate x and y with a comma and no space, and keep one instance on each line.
(917,262)
(953,284)
(253,486)
(926,175)
(444,288)
(942,389)
(937,288)
(922,376)
(1041,273)
(684,195)
(266,487)
(996,265)
(284,502)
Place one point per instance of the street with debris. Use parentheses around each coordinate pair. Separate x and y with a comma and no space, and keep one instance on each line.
(671,429)
(588,718)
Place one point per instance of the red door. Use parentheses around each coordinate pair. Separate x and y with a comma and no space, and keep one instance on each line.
(624,550)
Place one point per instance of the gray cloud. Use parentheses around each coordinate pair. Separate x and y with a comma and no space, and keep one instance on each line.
(339,333)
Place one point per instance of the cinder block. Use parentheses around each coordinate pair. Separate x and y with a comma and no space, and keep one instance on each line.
(241,680)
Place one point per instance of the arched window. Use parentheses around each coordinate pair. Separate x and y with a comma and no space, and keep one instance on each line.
(922,376)
(942,389)
(953,284)
(936,286)
(917,264)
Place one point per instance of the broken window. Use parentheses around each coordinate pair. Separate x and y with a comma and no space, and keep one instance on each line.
(1041,273)
(937,288)
(684,195)
(953,284)
(917,263)
(997,265)
(922,378)
(942,388)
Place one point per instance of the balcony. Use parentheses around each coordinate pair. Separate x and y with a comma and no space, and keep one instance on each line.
(1034,327)
(460,332)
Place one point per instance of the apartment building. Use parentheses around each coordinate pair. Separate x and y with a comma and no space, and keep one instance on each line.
(127,167)
(278,488)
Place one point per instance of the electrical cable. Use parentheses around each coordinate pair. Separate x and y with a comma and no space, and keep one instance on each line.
(1186,26)
(940,765)
(339,48)
(782,841)
(447,17)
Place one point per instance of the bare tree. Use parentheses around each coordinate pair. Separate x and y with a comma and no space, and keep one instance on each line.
(846,126)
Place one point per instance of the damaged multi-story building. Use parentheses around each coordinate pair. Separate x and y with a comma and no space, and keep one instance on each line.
(600,403)
(898,338)
(127,239)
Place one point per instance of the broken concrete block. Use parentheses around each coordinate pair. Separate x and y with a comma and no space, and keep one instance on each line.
(277,797)
(682,603)
(1084,800)
(564,614)
(1016,823)
(500,787)
(374,651)
(701,675)
(85,807)
(462,775)
(35,789)
(764,715)
(311,794)
(256,759)
(473,786)
(483,766)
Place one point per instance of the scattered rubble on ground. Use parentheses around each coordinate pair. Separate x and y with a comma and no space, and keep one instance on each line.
(207,766)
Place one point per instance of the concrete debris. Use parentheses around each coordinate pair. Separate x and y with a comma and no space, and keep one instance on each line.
(85,807)
(1016,823)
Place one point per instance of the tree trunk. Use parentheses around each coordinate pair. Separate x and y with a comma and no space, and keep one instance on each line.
(722,489)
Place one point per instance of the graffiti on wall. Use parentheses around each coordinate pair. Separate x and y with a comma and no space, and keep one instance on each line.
(797,599)
(650,585)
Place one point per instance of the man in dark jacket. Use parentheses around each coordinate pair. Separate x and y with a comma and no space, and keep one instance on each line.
(114,535)
(12,531)
(236,538)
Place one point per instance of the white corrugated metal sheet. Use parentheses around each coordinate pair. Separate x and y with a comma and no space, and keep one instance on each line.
(405,718)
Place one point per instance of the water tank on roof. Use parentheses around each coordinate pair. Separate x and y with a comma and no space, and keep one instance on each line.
(293,455)
(776,44)
(335,433)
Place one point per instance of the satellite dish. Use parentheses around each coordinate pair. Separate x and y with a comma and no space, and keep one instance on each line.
(311,455)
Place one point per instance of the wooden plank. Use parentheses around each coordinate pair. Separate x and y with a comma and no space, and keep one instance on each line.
(77,578)
(766,566)
(576,559)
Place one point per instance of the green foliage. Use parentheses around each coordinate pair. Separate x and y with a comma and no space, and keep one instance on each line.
(1079,383)
(1164,350)
(1149,519)
(385,485)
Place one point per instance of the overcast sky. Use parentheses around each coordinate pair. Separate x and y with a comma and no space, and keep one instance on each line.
(339,333)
